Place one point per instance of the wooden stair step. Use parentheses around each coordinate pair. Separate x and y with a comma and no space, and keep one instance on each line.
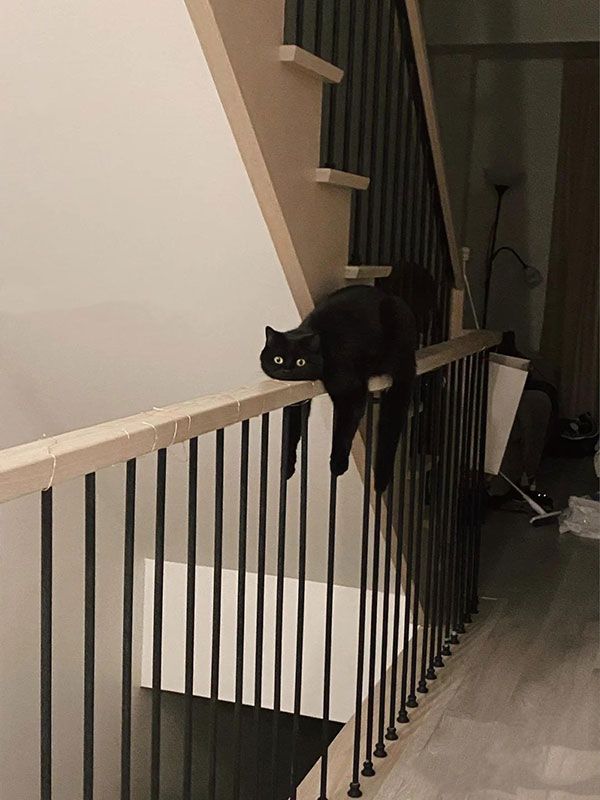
(337,177)
(353,273)
(308,62)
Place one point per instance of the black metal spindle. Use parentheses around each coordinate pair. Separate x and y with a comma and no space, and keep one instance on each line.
(400,163)
(469,494)
(126,648)
(460,498)
(358,200)
(433,438)
(452,625)
(89,654)
(414,447)
(380,751)
(368,769)
(260,593)
(216,615)
(376,142)
(241,609)
(481,471)
(391,733)
(389,151)
(299,38)
(435,657)
(300,602)
(279,593)
(46,647)
(328,638)
(331,93)
(190,618)
(411,700)
(159,571)
(474,486)
(443,647)
(354,790)
(349,81)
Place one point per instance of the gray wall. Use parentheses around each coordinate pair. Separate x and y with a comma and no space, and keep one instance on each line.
(497,71)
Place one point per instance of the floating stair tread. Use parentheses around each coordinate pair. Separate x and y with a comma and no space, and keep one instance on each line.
(303,59)
(336,177)
(366,273)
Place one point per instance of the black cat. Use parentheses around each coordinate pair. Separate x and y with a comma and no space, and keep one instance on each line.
(349,337)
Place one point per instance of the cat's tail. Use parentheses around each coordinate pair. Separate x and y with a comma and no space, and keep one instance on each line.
(393,411)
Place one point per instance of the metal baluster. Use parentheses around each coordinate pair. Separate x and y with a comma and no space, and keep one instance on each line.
(414,445)
(401,161)
(380,751)
(331,92)
(294,777)
(451,629)
(349,87)
(46,647)
(376,143)
(391,733)
(89,653)
(260,593)
(159,570)
(241,609)
(127,630)
(356,223)
(470,491)
(481,469)
(279,591)
(368,770)
(354,790)
(388,143)
(190,618)
(328,637)
(434,440)
(411,700)
(443,648)
(216,615)
(461,523)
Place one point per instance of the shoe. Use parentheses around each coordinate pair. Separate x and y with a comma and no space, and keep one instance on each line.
(583,427)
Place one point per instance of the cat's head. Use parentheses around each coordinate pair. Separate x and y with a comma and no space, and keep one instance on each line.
(292,356)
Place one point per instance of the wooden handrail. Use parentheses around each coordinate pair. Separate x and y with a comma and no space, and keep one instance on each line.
(46,462)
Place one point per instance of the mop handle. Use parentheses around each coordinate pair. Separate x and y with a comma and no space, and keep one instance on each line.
(529,500)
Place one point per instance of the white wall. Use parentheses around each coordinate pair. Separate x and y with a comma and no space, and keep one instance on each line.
(136,271)
(503,21)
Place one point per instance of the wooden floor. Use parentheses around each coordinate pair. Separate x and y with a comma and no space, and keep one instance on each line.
(524,718)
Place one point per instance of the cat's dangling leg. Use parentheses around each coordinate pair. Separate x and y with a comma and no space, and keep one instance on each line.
(294,415)
(348,409)
(393,410)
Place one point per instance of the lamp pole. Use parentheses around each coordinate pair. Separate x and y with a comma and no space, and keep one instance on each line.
(500,188)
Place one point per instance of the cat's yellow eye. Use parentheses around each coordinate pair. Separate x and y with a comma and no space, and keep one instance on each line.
(300,362)
(278,360)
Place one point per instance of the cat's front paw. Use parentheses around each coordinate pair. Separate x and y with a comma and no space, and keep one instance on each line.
(338,463)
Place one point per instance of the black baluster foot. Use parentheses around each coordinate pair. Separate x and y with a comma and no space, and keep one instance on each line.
(380,751)
(368,770)
(354,790)
(403,716)
(468,619)
(454,639)
(391,735)
(422,687)
(446,650)
(460,628)
(411,701)
(431,676)
(438,661)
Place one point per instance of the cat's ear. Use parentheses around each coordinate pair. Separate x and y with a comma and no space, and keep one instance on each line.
(271,335)
(313,343)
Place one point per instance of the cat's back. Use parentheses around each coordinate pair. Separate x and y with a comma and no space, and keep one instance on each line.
(359,307)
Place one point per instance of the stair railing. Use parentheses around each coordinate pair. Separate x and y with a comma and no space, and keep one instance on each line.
(416,561)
